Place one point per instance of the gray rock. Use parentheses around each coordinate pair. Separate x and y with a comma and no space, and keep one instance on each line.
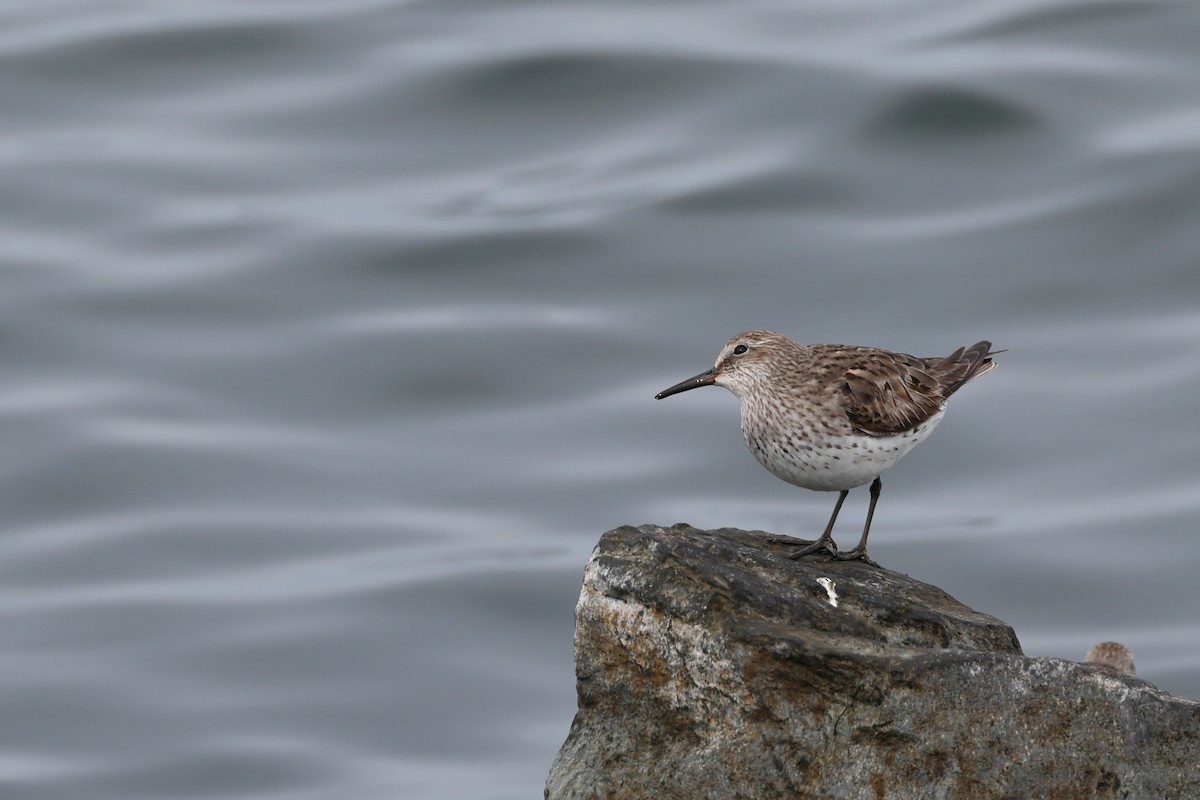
(710,665)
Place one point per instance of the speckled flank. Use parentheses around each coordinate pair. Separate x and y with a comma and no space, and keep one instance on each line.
(833,462)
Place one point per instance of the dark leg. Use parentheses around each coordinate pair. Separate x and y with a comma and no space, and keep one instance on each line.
(860,551)
(826,542)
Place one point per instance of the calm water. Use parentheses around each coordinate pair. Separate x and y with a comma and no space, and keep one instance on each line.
(330,331)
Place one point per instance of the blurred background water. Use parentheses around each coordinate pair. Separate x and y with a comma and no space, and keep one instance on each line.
(330,333)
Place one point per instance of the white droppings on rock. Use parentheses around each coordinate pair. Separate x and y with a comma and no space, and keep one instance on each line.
(829,588)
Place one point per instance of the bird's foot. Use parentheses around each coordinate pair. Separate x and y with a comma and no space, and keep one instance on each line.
(820,545)
(857,554)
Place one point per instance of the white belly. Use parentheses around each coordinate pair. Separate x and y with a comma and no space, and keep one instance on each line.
(834,463)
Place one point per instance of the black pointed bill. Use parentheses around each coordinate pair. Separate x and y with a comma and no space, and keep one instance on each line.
(703,379)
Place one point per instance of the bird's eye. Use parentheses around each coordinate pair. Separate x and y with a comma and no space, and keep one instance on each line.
(741,348)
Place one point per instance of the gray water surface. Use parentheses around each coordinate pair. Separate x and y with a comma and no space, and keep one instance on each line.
(330,333)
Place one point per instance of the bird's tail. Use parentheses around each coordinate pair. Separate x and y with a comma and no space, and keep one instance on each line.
(964,365)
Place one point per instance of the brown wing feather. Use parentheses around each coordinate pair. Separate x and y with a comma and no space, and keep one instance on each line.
(889,393)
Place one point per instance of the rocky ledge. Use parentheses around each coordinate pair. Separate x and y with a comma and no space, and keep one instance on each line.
(710,665)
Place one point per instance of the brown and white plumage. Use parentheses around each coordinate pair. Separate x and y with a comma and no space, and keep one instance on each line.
(831,417)
(1113,655)
(893,392)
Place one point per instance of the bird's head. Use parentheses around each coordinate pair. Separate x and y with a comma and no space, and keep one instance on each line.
(747,361)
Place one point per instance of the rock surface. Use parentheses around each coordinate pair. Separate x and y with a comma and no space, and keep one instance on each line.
(710,665)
